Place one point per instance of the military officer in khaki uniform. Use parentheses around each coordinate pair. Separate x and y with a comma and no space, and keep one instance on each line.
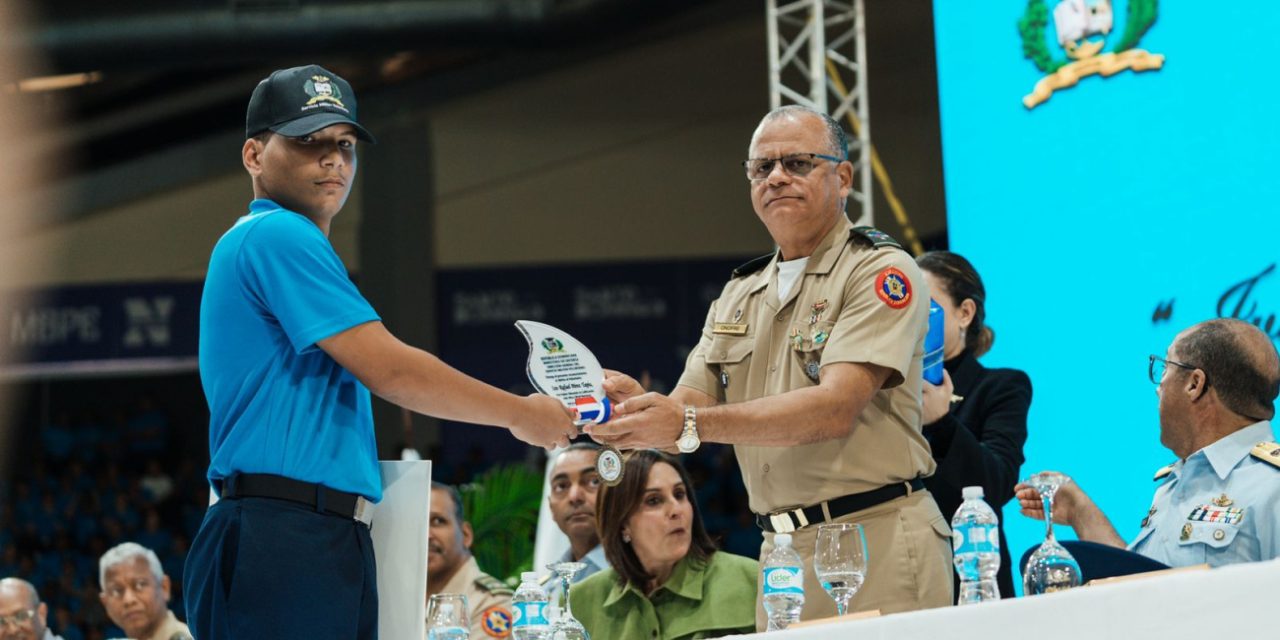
(452,569)
(810,364)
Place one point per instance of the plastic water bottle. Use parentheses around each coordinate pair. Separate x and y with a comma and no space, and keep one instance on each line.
(975,541)
(529,608)
(783,579)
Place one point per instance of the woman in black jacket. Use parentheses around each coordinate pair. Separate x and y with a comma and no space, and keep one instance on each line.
(976,421)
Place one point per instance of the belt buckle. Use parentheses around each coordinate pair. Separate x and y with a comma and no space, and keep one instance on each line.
(783,521)
(363,511)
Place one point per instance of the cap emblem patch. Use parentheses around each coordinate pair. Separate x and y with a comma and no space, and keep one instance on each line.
(323,92)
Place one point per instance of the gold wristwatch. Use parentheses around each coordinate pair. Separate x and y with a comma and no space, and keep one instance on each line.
(689,441)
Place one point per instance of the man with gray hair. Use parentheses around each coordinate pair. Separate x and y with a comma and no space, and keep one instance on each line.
(1216,387)
(810,364)
(22,615)
(135,593)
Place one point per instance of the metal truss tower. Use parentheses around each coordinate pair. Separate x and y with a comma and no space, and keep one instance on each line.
(817,58)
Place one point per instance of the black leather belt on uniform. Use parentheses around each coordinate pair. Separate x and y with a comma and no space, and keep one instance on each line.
(789,520)
(316,496)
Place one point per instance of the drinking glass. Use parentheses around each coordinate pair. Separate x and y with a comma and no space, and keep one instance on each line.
(566,627)
(1051,567)
(447,617)
(840,561)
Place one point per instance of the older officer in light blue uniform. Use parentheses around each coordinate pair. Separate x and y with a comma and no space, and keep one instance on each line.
(1220,502)
(1219,506)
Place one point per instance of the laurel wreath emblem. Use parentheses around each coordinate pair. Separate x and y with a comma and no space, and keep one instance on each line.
(1031,26)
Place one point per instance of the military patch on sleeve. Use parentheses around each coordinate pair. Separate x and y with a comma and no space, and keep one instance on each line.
(893,288)
(876,237)
(1163,471)
(497,621)
(1268,452)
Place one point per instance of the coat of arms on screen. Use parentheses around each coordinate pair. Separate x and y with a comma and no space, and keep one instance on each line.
(1081,28)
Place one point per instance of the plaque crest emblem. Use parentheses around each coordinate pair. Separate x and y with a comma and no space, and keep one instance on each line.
(552,345)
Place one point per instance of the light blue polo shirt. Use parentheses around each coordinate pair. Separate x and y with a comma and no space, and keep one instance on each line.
(1218,506)
(277,403)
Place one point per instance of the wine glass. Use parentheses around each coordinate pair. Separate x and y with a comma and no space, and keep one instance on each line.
(447,617)
(840,561)
(1051,567)
(566,627)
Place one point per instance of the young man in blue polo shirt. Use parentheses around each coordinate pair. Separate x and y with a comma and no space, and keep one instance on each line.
(289,351)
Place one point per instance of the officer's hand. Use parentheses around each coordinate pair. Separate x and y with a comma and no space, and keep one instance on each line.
(1066,502)
(620,387)
(937,399)
(651,420)
(545,422)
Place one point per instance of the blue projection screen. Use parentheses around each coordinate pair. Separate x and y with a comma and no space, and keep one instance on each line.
(1112,215)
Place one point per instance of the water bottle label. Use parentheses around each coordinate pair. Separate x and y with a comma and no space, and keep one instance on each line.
(975,538)
(528,614)
(783,580)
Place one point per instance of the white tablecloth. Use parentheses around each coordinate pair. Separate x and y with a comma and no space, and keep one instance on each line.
(1240,599)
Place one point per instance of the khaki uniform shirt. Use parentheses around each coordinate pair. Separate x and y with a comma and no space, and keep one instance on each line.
(488,601)
(170,629)
(858,302)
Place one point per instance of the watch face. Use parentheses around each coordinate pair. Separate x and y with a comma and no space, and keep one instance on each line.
(688,443)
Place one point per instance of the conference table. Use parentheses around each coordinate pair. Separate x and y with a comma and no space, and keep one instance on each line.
(1225,602)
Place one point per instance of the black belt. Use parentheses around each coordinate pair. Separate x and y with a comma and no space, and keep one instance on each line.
(789,520)
(316,496)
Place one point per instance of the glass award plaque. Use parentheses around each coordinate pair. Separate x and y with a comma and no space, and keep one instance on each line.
(562,367)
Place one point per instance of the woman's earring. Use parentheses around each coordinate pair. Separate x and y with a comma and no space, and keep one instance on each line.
(626,538)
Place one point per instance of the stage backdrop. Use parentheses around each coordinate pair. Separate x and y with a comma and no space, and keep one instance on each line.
(1114,213)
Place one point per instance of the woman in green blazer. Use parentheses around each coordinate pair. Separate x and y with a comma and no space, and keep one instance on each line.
(667,581)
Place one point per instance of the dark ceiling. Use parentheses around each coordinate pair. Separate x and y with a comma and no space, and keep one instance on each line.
(170,71)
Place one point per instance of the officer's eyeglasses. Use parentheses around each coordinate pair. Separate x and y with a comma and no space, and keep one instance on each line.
(18,618)
(796,165)
(1156,366)
(116,592)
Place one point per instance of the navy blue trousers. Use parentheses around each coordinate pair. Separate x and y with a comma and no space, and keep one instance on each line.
(272,569)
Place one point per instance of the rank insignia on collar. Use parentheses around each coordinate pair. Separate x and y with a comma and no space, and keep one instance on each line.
(1147,520)
(1223,501)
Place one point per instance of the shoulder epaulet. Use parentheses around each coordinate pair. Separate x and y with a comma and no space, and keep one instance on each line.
(874,236)
(1164,471)
(493,585)
(1268,452)
(753,265)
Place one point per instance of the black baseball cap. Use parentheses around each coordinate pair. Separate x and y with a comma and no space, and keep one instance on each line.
(301,100)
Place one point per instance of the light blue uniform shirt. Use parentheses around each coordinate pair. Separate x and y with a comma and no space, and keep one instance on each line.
(1189,523)
(594,560)
(277,403)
